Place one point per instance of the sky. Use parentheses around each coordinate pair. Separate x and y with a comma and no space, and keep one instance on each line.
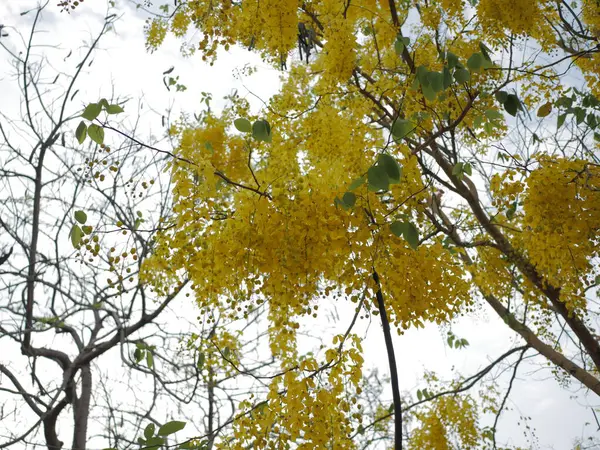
(123,66)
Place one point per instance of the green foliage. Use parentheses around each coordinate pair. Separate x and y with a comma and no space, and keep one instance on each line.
(243,125)
(406,230)
(261,131)
(96,133)
(357,183)
(91,111)
(378,179)
(460,169)
(510,102)
(402,128)
(171,427)
(81,132)
(401,43)
(349,199)
(76,235)
(391,167)
(455,342)
(81,217)
(462,76)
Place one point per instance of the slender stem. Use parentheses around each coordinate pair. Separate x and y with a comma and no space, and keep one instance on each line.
(392,363)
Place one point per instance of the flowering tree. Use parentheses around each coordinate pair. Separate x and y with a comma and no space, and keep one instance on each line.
(420,160)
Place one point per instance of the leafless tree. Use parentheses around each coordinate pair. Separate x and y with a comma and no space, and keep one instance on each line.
(82,356)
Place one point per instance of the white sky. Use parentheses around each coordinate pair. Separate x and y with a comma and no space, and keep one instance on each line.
(123,62)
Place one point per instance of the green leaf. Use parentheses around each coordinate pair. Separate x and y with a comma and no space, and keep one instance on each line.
(561,120)
(501,96)
(96,133)
(171,427)
(486,64)
(261,130)
(243,125)
(401,43)
(337,202)
(447,77)
(91,111)
(391,166)
(512,104)
(511,210)
(357,183)
(401,128)
(114,109)
(378,179)
(457,170)
(428,92)
(201,359)
(349,198)
(154,443)
(76,235)
(81,132)
(422,73)
(149,430)
(493,114)
(564,102)
(138,355)
(86,229)
(415,85)
(485,51)
(398,228)
(208,146)
(412,236)
(462,76)
(452,60)
(80,217)
(149,359)
(103,103)
(475,61)
(436,80)
(579,115)
(419,395)
(467,169)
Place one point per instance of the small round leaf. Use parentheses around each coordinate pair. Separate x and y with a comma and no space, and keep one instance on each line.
(81,217)
(349,198)
(91,111)
(243,125)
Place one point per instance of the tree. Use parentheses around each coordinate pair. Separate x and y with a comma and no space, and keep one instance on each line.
(102,360)
(400,169)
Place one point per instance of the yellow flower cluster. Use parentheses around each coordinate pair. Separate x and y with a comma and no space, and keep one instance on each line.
(562,222)
(449,422)
(302,407)
(526,19)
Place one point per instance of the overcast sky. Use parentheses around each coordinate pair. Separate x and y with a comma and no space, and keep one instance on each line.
(124,65)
